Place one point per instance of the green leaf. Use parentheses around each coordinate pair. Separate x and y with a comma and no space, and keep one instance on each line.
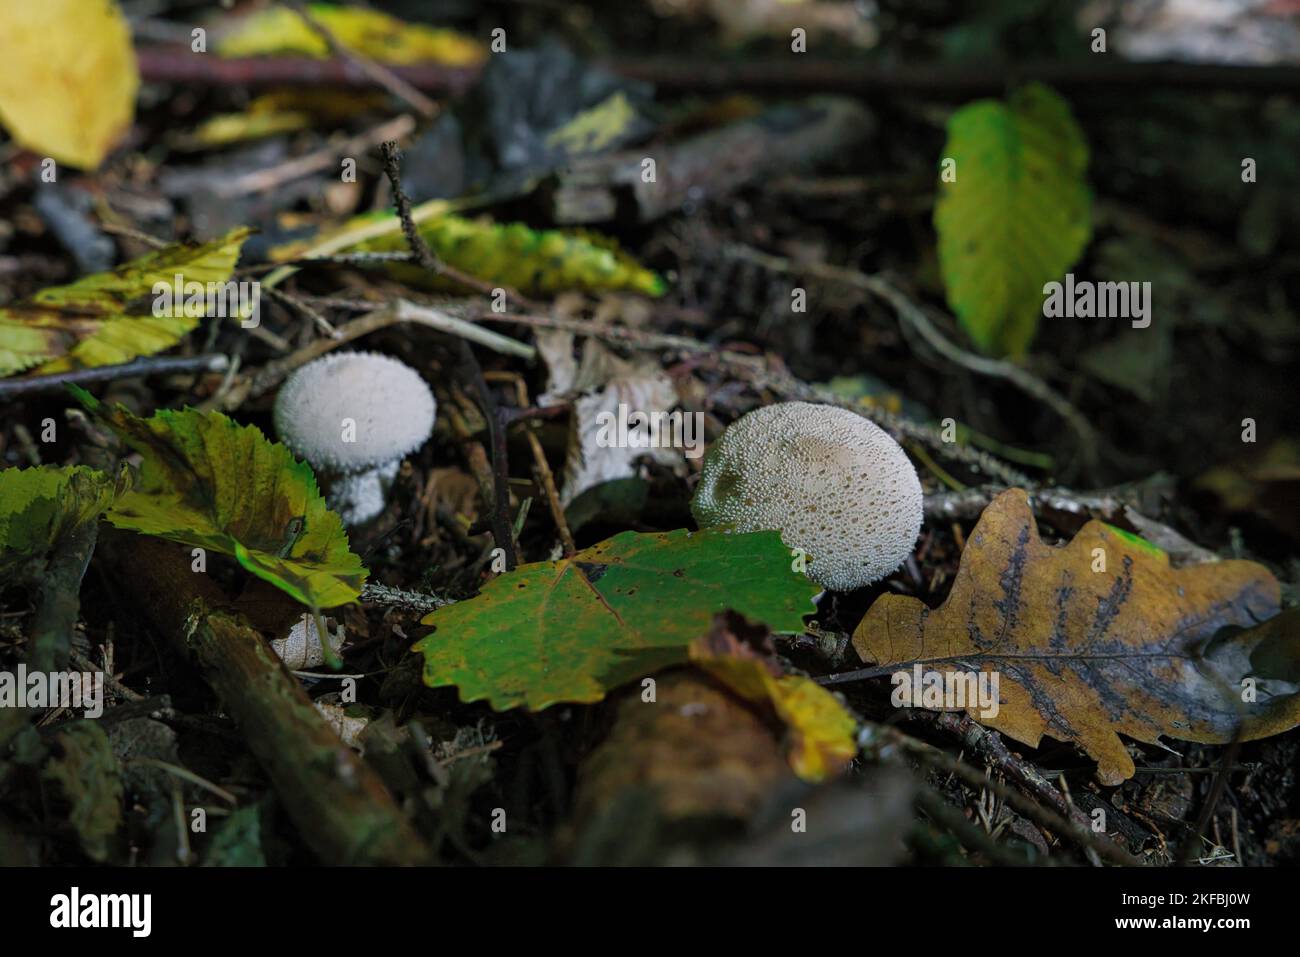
(531,261)
(208,481)
(40,507)
(1016,217)
(109,317)
(573,629)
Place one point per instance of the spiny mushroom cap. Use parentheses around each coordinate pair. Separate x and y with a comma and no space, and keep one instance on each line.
(831,482)
(392,407)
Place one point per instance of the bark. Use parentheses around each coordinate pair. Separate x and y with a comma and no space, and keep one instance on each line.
(336,801)
(781,140)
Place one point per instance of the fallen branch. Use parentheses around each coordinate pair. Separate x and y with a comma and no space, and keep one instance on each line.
(788,76)
(337,803)
(264,180)
(782,139)
(156,365)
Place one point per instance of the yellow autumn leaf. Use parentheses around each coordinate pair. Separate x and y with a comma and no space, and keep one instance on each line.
(820,730)
(111,317)
(68,77)
(368,32)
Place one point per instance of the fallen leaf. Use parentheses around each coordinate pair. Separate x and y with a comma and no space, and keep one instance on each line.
(527,260)
(68,78)
(699,750)
(210,482)
(604,386)
(278,29)
(1016,216)
(571,630)
(40,507)
(109,317)
(820,732)
(1085,656)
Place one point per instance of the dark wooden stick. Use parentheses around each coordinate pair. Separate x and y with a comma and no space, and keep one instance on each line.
(337,803)
(788,76)
(57,609)
(785,138)
(156,365)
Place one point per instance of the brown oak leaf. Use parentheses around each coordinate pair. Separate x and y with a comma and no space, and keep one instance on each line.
(1094,639)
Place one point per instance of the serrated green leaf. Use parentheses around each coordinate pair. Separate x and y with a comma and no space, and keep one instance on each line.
(210,482)
(529,260)
(39,507)
(1016,217)
(108,318)
(573,629)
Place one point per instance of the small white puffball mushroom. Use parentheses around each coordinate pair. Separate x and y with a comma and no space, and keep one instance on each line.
(354,416)
(831,482)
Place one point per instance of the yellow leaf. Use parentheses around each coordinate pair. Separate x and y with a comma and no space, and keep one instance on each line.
(821,732)
(368,32)
(109,317)
(67,77)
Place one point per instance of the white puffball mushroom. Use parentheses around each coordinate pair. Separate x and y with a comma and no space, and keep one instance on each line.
(354,416)
(831,482)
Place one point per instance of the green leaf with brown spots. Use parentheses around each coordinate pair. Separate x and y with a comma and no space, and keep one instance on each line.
(573,629)
(208,481)
(1094,639)
(109,317)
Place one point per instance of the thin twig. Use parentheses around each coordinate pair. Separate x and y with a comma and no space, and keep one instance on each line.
(1188,853)
(915,318)
(543,468)
(264,180)
(381,74)
(502,526)
(187,775)
(1046,817)
(425,258)
(754,369)
(322,324)
(153,365)
(273,373)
